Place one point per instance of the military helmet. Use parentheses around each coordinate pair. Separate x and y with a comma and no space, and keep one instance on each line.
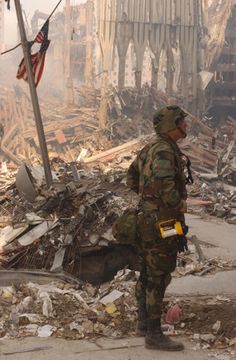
(165,119)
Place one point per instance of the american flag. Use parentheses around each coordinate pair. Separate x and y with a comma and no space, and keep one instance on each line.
(43,33)
(37,59)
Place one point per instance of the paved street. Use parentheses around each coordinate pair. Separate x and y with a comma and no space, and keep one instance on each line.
(125,349)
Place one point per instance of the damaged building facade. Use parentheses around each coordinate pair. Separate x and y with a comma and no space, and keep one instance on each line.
(183,48)
(223,93)
(171,31)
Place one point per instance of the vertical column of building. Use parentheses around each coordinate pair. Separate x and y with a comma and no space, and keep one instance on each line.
(106,33)
(225,82)
(1,25)
(69,82)
(157,38)
(188,32)
(89,43)
(123,39)
(140,35)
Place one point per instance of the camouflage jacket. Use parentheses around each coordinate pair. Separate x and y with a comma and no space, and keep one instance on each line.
(157,175)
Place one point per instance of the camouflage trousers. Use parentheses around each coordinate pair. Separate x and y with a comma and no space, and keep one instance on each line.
(157,258)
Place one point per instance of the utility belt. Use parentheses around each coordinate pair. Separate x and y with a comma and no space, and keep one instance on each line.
(147,229)
(155,225)
(174,226)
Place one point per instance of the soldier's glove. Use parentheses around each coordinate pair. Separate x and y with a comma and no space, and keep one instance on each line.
(182,243)
(182,240)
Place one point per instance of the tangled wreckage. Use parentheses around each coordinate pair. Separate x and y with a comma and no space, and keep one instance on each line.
(70,277)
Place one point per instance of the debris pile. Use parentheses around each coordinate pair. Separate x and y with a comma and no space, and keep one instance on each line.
(63,126)
(52,230)
(68,130)
(208,322)
(83,311)
(130,112)
(70,312)
(68,228)
(214,162)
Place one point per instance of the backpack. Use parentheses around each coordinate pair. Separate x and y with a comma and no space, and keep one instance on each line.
(124,228)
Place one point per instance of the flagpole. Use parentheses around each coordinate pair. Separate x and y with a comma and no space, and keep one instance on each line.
(34,96)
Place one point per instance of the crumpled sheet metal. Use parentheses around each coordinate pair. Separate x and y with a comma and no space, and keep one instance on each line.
(25,183)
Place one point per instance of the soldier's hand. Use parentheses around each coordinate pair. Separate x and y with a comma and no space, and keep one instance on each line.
(184,207)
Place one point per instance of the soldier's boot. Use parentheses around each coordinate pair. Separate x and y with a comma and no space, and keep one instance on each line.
(141,326)
(155,339)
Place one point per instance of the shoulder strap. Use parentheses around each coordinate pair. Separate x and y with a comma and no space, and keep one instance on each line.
(189,178)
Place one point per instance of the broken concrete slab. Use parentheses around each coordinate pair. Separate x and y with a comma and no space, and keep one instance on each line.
(37,232)
(8,234)
(58,260)
(112,297)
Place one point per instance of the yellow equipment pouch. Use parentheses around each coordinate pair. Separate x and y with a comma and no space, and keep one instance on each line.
(170,228)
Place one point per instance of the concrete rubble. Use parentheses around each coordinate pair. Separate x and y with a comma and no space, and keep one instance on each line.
(83,311)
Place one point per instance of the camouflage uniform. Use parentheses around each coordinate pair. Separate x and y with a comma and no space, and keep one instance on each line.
(157,175)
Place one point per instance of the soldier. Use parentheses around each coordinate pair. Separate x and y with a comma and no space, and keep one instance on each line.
(157,175)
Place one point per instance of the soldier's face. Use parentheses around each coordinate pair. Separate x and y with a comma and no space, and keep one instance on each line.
(182,127)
